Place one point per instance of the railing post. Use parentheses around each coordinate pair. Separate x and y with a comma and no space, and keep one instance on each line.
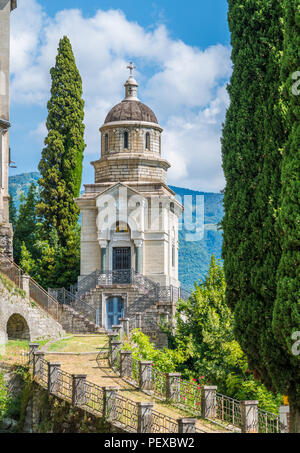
(145,417)
(25,285)
(186,425)
(53,376)
(115,349)
(145,375)
(126,364)
(138,320)
(173,387)
(78,389)
(33,347)
(109,402)
(125,326)
(284,419)
(209,401)
(38,369)
(116,330)
(111,338)
(249,411)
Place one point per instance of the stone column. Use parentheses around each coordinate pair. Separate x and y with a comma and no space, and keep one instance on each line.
(38,368)
(53,376)
(126,364)
(33,347)
(144,417)
(138,251)
(187,425)
(208,401)
(145,375)
(25,285)
(284,419)
(249,411)
(103,246)
(115,349)
(117,330)
(125,326)
(78,389)
(109,402)
(173,387)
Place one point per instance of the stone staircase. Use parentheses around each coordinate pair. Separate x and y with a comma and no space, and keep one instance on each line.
(74,322)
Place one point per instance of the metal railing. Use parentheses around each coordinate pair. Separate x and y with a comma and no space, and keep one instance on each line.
(125,413)
(135,370)
(190,395)
(94,396)
(161,423)
(11,270)
(159,382)
(15,353)
(268,422)
(228,410)
(36,292)
(65,385)
(129,276)
(65,297)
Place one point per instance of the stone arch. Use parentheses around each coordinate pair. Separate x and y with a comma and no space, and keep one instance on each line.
(17,328)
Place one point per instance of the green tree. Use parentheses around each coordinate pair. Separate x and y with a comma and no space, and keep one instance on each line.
(26,228)
(26,262)
(205,322)
(287,308)
(62,157)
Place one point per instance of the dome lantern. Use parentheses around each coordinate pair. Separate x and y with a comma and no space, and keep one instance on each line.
(131,86)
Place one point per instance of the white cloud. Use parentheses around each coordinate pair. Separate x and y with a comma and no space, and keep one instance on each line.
(185,87)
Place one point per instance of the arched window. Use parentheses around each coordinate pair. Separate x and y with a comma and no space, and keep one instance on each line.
(172,207)
(125,140)
(148,141)
(106,143)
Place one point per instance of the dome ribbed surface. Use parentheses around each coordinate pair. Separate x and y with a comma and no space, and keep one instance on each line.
(131,111)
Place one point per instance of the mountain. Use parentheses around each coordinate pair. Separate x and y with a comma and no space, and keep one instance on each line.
(20,184)
(194,256)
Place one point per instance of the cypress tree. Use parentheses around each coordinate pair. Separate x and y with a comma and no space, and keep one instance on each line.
(26,229)
(62,157)
(287,308)
(253,136)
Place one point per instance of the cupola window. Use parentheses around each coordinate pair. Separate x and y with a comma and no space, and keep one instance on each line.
(106,143)
(148,141)
(126,140)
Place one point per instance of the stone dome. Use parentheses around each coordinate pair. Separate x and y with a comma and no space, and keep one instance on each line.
(130,110)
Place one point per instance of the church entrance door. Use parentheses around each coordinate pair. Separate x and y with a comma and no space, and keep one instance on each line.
(121,264)
(115,311)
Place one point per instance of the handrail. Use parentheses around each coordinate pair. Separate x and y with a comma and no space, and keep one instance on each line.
(65,297)
(129,276)
(36,292)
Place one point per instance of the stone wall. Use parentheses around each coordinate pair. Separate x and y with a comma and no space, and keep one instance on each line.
(14,301)
(126,167)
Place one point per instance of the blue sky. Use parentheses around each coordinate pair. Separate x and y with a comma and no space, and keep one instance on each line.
(183,63)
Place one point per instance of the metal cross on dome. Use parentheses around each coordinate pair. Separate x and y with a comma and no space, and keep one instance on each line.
(131,67)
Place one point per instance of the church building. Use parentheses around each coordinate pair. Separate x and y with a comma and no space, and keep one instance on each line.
(129,236)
